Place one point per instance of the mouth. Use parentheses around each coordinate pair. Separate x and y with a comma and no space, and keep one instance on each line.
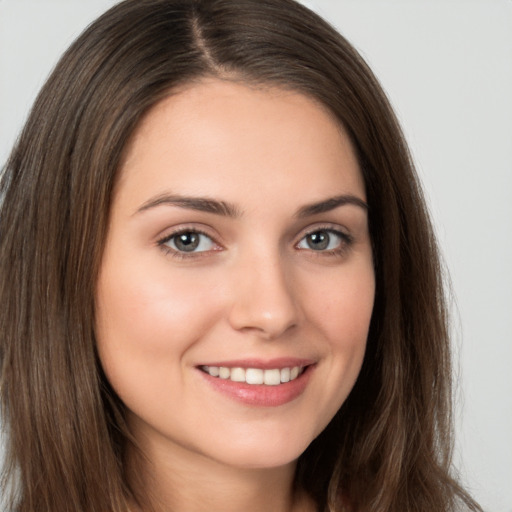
(255,376)
(259,383)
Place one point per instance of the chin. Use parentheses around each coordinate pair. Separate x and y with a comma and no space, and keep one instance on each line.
(263,451)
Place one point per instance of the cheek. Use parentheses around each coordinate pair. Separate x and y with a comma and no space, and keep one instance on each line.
(343,306)
(149,303)
(341,311)
(147,319)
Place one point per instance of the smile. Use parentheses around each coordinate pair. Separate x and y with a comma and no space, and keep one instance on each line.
(255,376)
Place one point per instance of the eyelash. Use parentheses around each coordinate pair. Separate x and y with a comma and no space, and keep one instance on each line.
(183,254)
(346,241)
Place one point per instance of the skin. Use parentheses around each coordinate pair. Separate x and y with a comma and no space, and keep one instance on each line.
(254,288)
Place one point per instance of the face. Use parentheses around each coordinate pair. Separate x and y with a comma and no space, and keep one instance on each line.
(237,284)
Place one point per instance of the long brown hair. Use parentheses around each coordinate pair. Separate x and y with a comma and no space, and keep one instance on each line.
(389,446)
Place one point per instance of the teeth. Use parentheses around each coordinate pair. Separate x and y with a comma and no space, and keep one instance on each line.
(255,376)
(214,371)
(237,374)
(272,377)
(224,373)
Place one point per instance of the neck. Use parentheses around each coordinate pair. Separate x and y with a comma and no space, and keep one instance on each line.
(182,482)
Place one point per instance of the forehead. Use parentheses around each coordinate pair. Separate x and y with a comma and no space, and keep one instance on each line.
(215,132)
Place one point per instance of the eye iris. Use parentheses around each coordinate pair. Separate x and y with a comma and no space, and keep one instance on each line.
(318,241)
(187,242)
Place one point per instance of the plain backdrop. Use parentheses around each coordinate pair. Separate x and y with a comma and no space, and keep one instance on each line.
(447,68)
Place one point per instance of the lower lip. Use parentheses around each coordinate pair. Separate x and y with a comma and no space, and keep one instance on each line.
(261,395)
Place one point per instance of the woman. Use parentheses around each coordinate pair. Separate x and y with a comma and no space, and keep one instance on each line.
(221,286)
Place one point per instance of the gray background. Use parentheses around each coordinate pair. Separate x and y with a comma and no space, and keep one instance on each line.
(447,67)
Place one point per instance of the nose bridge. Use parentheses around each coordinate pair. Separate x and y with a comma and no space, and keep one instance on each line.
(264,301)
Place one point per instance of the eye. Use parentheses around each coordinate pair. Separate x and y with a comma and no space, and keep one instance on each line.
(188,242)
(323,240)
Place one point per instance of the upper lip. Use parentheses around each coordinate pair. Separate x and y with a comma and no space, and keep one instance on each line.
(264,364)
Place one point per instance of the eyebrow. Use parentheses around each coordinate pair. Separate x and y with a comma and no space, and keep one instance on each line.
(202,204)
(330,204)
(208,205)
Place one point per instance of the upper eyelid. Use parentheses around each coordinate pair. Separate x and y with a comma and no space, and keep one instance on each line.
(335,228)
(172,232)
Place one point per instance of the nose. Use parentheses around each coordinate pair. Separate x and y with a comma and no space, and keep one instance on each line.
(264,302)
